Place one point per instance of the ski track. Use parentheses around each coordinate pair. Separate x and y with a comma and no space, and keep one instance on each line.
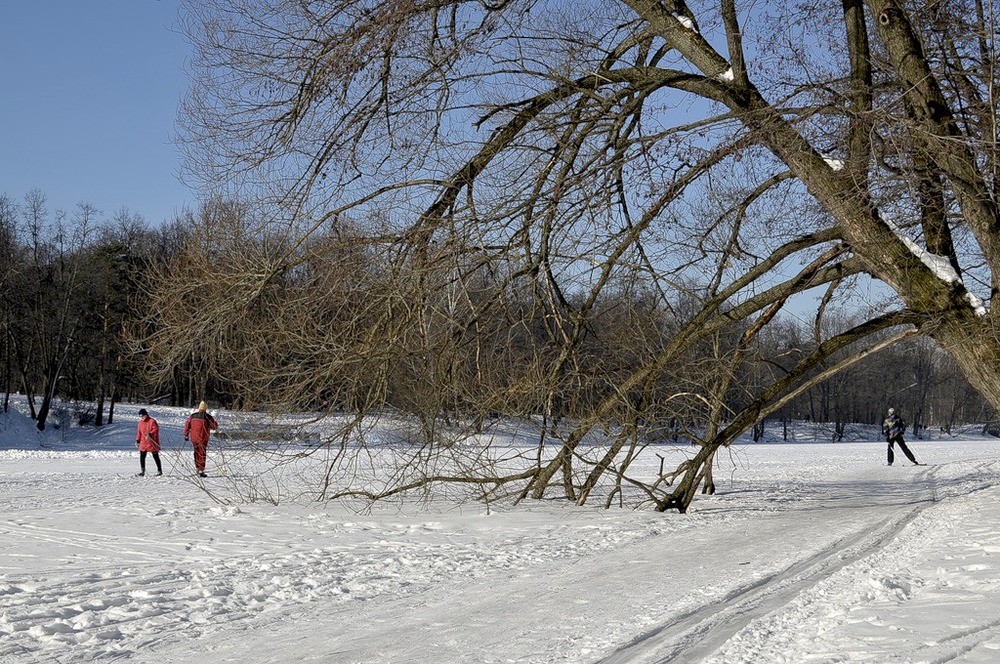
(796,597)
(693,636)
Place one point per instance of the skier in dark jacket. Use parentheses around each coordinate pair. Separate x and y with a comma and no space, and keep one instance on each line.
(198,428)
(893,428)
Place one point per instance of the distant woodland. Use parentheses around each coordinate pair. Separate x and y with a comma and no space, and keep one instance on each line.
(86,318)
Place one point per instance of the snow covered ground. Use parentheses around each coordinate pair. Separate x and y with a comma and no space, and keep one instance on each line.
(810,552)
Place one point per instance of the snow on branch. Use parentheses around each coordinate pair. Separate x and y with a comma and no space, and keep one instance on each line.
(685,21)
(726,76)
(939,265)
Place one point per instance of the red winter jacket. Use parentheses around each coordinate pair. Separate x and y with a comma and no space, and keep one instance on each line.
(148,435)
(198,427)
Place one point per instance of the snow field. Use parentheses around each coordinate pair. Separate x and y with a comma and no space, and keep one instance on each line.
(811,552)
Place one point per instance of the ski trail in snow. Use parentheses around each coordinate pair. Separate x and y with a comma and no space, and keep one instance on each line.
(930,597)
(550,591)
(694,635)
(964,642)
(89,541)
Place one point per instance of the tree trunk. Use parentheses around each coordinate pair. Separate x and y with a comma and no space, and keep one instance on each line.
(974,344)
(708,481)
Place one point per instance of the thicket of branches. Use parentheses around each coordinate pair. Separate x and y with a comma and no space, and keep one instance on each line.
(345,332)
(115,310)
(517,171)
(338,329)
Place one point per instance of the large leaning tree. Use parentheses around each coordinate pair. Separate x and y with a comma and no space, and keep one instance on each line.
(587,211)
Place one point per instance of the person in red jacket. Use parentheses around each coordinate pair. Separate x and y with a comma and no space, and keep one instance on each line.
(147,439)
(198,428)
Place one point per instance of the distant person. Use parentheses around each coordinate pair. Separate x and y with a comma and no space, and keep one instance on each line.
(147,439)
(893,428)
(198,428)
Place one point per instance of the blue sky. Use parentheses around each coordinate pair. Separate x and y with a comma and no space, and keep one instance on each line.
(90,92)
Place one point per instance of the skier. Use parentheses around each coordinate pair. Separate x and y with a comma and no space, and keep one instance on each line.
(198,428)
(893,428)
(147,439)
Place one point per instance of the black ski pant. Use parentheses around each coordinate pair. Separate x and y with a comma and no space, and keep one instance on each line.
(898,438)
(142,461)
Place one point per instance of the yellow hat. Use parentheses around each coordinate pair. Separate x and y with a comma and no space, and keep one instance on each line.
(203,406)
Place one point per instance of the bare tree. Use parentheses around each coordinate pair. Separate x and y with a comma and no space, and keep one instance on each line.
(10,266)
(59,316)
(569,148)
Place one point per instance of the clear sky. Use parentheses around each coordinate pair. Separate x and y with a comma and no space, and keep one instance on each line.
(89,92)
